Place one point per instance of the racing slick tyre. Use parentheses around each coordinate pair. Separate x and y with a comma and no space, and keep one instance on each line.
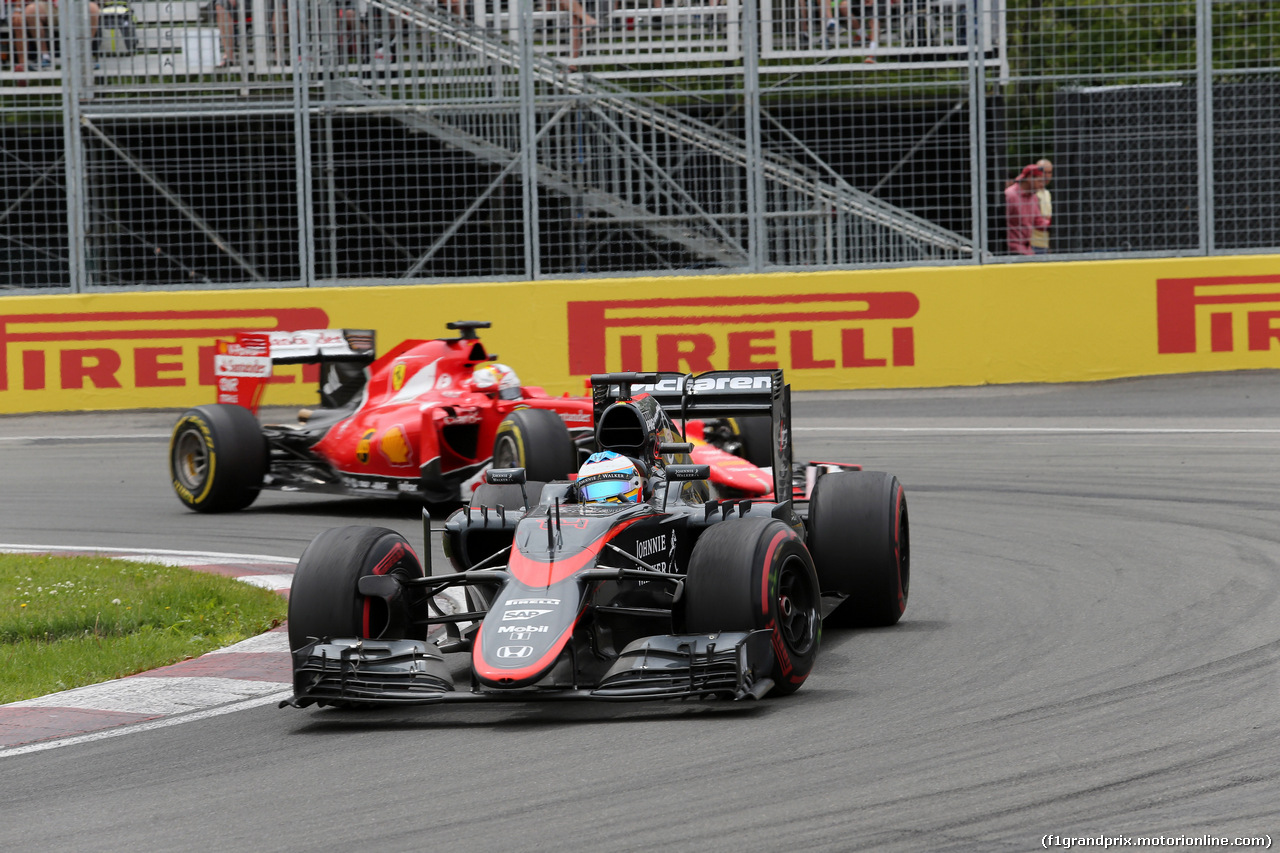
(217,458)
(537,441)
(324,600)
(860,540)
(756,573)
(755,438)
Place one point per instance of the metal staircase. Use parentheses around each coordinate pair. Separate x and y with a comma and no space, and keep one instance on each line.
(650,171)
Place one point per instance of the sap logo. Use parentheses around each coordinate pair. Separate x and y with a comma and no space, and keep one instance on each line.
(516,652)
(522,614)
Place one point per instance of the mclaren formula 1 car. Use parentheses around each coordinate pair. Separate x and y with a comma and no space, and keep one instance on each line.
(422,421)
(553,595)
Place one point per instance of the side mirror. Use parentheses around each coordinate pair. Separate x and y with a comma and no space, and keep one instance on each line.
(506,476)
(669,447)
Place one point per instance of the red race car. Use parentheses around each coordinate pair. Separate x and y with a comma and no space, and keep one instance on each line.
(422,421)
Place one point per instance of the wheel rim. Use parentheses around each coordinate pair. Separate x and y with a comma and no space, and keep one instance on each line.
(191,460)
(796,606)
(506,454)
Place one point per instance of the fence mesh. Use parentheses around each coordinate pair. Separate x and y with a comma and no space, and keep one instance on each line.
(258,142)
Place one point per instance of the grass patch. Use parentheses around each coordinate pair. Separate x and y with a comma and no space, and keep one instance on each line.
(70,621)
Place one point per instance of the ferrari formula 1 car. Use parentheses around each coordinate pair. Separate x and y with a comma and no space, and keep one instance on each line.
(557,595)
(421,421)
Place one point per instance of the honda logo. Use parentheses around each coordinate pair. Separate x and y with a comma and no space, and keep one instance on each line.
(509,652)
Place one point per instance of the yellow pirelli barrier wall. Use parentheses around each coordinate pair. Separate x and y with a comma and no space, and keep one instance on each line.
(902,328)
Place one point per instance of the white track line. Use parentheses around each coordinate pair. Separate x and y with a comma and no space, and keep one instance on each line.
(1050,430)
(131,728)
(111,437)
(209,558)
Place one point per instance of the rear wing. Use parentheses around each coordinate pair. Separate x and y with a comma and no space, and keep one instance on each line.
(716,394)
(242,367)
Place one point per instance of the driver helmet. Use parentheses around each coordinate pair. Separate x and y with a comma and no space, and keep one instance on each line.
(609,477)
(494,377)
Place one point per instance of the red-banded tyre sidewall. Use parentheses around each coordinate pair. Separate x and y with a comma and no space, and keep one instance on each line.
(324,600)
(217,458)
(537,441)
(751,574)
(859,536)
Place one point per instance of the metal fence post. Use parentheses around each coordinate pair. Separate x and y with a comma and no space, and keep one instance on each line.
(302,123)
(1204,123)
(77,191)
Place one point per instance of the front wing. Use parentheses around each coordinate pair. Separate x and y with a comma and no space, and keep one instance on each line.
(668,666)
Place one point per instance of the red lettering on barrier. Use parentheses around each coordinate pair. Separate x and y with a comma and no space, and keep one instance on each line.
(136,326)
(1178,298)
(591,323)
(853,350)
(802,351)
(33,370)
(147,367)
(904,346)
(743,350)
(692,350)
(632,355)
(76,368)
(1261,330)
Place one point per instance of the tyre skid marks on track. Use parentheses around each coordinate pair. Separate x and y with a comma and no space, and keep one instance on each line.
(255,671)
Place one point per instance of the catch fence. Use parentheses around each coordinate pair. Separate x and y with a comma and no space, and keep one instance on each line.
(331,142)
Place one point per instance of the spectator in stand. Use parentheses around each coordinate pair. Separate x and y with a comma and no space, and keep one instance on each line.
(35,31)
(226,13)
(867,24)
(1040,233)
(580,23)
(1022,209)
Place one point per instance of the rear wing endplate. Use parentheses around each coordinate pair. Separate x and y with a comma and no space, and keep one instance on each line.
(242,367)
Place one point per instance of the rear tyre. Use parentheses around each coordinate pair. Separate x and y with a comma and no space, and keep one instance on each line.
(537,441)
(324,601)
(859,536)
(756,573)
(217,458)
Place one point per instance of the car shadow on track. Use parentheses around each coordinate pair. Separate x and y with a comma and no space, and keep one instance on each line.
(518,717)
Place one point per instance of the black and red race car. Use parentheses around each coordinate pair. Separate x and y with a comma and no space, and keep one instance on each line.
(419,421)
(552,596)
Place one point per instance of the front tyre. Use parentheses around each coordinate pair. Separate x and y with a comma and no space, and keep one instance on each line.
(756,573)
(324,601)
(217,458)
(859,536)
(537,441)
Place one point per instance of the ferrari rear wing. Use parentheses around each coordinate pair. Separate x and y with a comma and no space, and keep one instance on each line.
(242,367)
(715,394)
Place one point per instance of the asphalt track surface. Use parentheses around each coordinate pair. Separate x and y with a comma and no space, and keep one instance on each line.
(1091,648)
